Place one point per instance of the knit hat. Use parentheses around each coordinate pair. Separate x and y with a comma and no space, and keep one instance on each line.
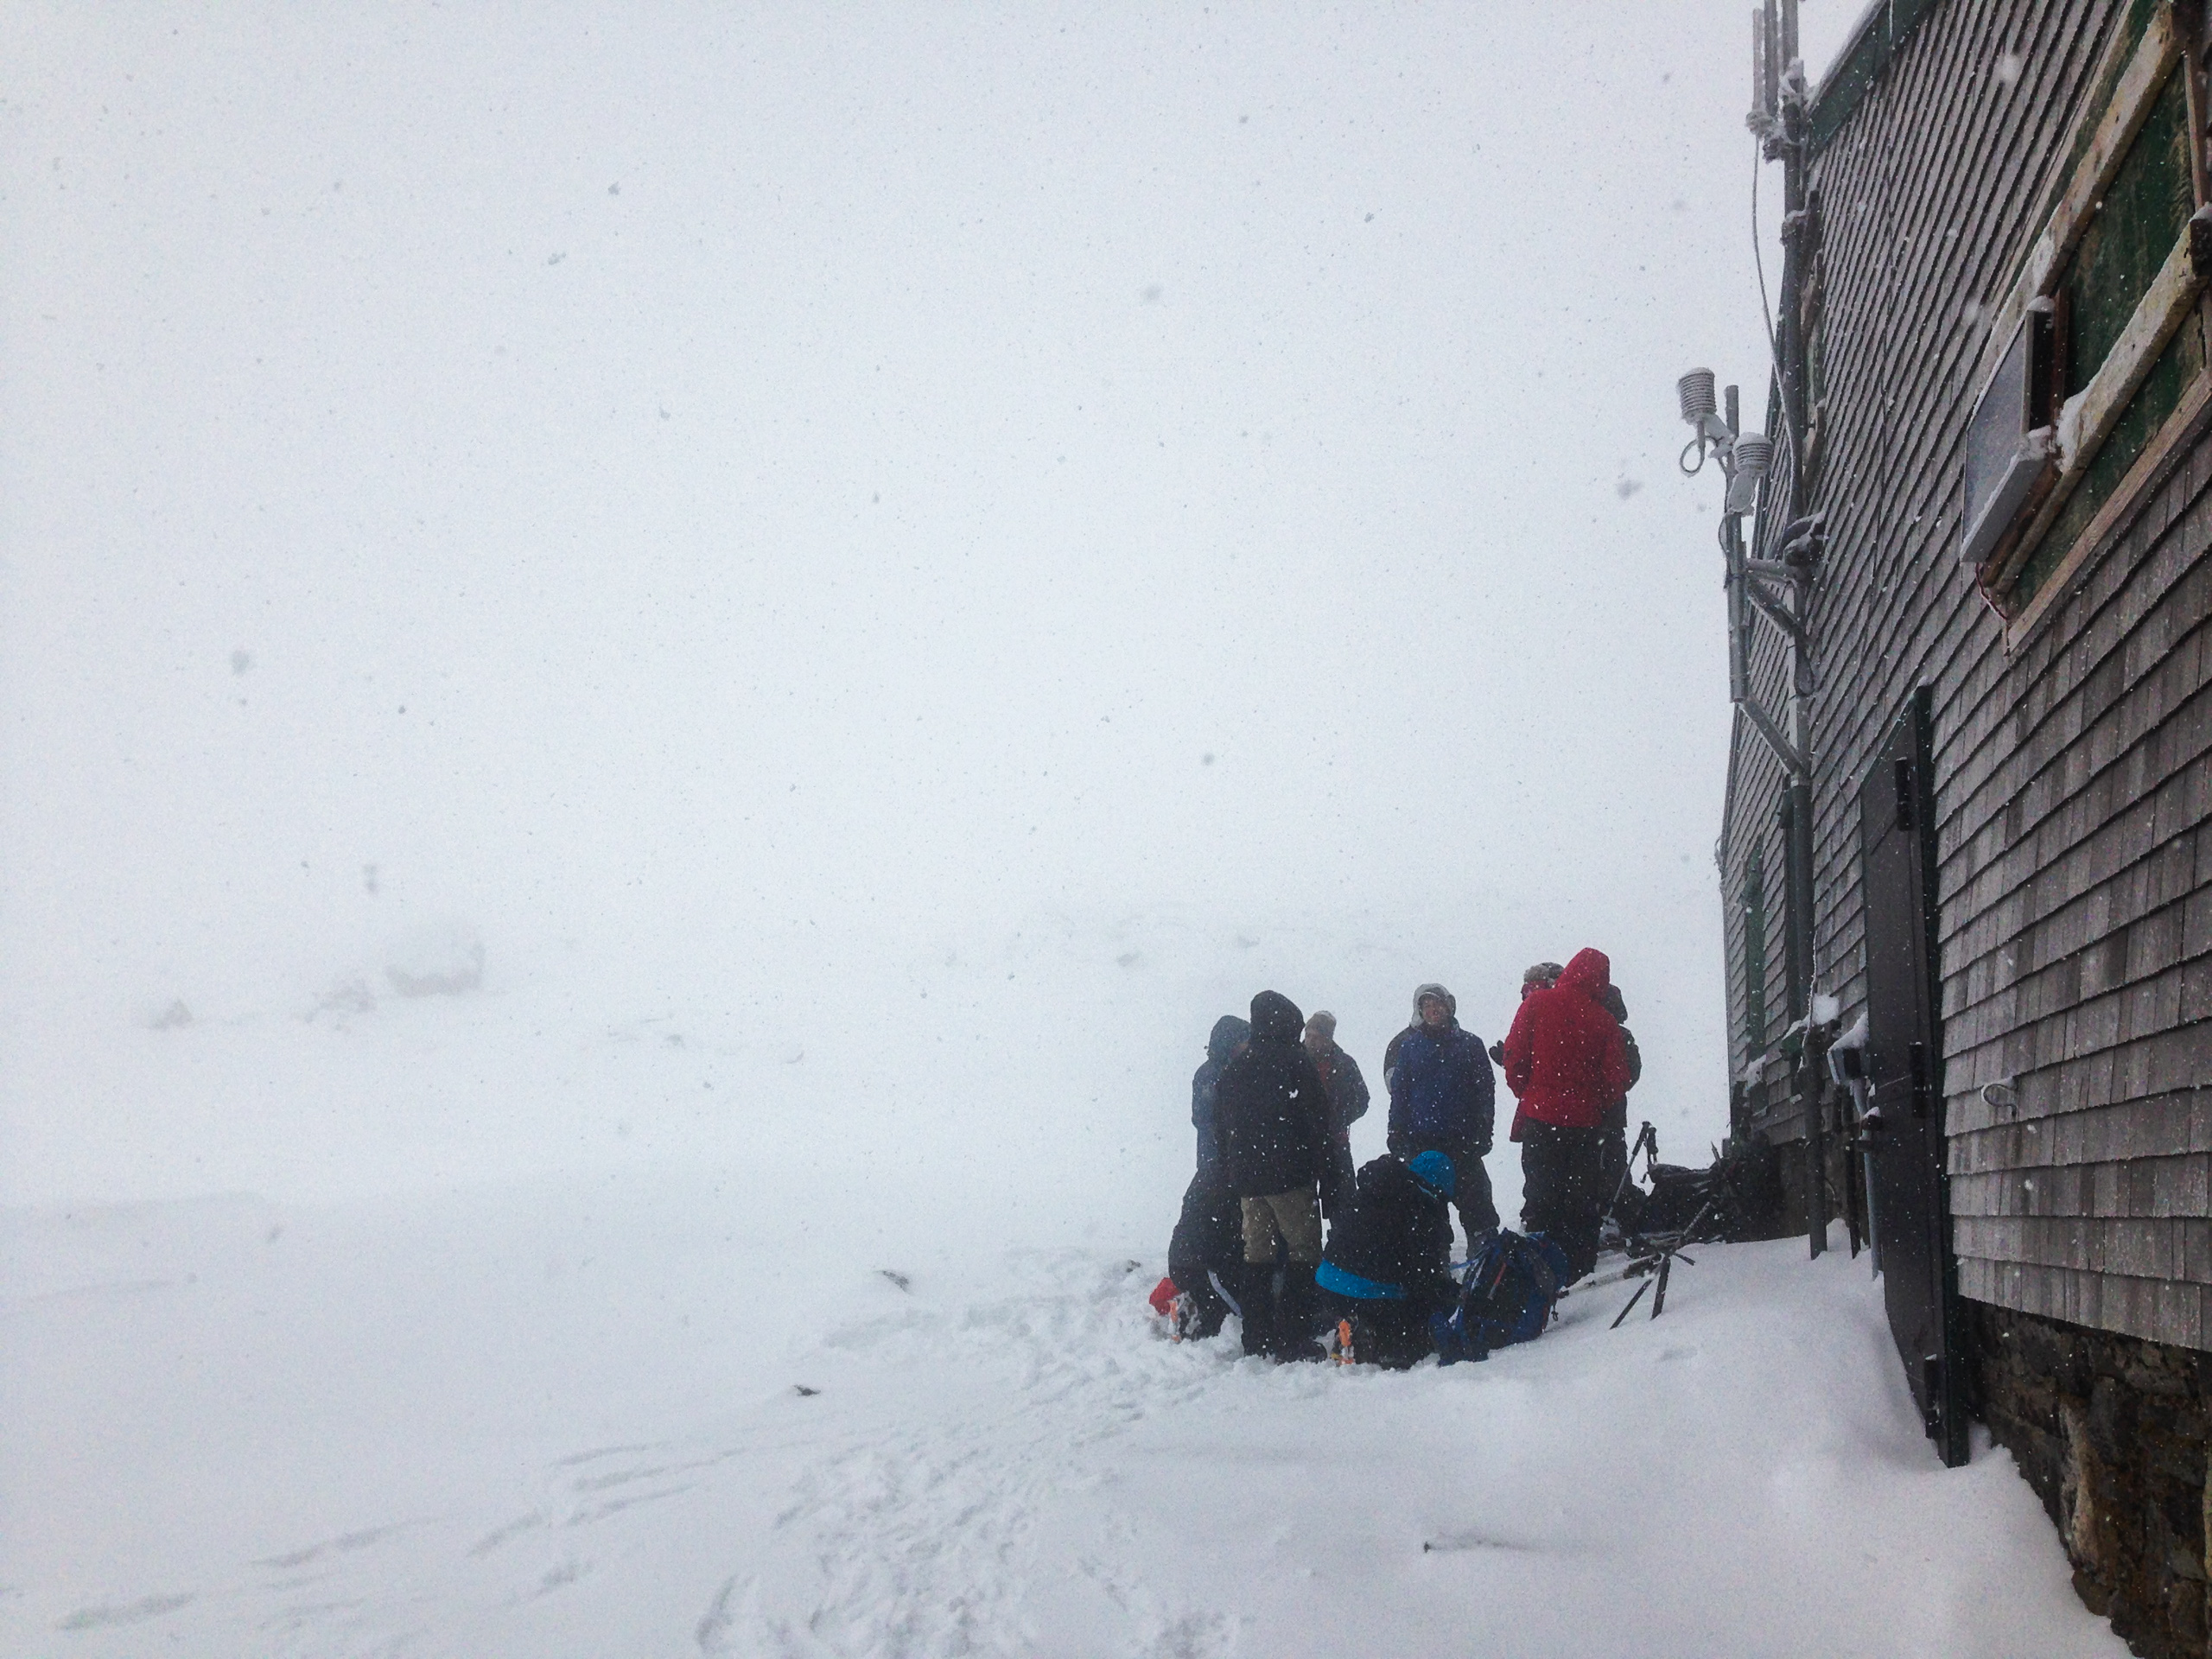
(1451,1003)
(1434,1170)
(1543,972)
(1321,1023)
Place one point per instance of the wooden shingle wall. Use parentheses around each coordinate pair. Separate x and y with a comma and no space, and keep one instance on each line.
(2084,915)
(2074,781)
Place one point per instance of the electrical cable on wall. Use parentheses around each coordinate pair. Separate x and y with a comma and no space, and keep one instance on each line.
(1766,306)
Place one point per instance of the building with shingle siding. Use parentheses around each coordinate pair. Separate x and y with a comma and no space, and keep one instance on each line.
(1985,1006)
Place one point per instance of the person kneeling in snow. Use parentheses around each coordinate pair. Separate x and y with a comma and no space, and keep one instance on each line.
(1205,1257)
(1384,1273)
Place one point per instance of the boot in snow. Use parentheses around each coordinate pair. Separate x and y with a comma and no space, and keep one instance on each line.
(1298,1317)
(1255,1292)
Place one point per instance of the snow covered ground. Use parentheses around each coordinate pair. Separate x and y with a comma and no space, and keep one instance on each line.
(661,661)
(572,1422)
(885,1382)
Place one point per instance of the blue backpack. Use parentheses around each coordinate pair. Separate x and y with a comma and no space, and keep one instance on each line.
(1506,1295)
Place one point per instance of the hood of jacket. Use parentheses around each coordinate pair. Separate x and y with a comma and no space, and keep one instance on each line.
(1451,1003)
(1275,1019)
(1227,1032)
(1590,973)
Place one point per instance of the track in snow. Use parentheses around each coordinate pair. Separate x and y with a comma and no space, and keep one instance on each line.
(921,1532)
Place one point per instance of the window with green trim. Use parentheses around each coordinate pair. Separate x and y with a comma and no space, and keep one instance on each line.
(2101,344)
(2161,394)
(1754,902)
(2144,212)
(1813,316)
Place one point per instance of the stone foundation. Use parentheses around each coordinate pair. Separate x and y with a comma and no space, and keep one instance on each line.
(2112,1434)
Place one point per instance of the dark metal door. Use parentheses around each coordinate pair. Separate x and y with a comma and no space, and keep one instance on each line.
(1904,1067)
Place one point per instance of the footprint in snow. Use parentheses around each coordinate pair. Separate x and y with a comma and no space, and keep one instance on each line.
(619,1477)
(136,1612)
(615,1506)
(1196,1636)
(715,1623)
(338,1545)
(514,1530)
(560,1577)
(597,1452)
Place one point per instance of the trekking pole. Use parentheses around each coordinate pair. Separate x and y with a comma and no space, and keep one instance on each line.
(1635,1267)
(1665,1262)
(1632,1301)
(1628,1163)
(1688,1235)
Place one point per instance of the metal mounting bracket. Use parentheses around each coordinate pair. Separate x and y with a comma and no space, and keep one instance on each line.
(1794,759)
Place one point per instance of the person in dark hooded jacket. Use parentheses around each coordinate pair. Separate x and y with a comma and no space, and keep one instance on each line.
(1539,976)
(1229,1035)
(1568,1061)
(1206,1255)
(1383,1274)
(1443,1099)
(1271,1119)
(1348,1103)
(1612,1122)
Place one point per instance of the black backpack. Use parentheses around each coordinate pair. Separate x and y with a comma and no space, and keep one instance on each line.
(1677,1195)
(1739,1198)
(1748,1178)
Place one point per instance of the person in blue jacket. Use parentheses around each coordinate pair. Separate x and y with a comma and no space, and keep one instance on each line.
(1229,1034)
(1443,1099)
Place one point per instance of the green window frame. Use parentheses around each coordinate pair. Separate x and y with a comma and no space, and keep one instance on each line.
(2118,269)
(1754,902)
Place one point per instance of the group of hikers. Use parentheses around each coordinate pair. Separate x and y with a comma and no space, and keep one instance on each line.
(1274,1105)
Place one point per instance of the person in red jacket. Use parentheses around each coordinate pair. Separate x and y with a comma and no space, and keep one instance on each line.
(1566,1062)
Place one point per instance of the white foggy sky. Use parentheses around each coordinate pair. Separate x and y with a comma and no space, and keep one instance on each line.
(810,465)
